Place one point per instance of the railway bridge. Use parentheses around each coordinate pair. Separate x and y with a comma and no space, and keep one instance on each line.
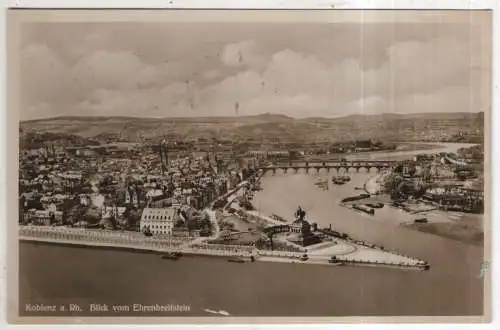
(369,165)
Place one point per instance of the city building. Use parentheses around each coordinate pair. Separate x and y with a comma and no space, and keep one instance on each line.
(43,217)
(159,220)
(108,211)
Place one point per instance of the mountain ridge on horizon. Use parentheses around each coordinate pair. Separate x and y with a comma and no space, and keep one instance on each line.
(242,117)
(265,127)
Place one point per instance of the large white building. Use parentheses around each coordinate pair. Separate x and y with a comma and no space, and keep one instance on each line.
(159,220)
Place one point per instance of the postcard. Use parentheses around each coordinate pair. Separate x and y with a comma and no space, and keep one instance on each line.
(211,166)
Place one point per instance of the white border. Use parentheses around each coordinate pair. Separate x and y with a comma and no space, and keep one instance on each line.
(259,4)
(254,4)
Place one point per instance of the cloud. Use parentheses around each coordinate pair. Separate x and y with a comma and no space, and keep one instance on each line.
(412,76)
(423,66)
(245,53)
(122,70)
(300,85)
(43,74)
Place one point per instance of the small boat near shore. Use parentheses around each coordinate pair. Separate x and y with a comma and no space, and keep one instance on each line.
(334,261)
(172,256)
(305,257)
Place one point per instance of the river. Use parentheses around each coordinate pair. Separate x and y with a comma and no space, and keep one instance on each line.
(53,274)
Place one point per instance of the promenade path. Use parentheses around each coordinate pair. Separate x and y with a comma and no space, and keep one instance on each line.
(135,241)
(102,238)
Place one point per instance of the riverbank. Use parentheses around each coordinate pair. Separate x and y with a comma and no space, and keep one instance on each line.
(360,253)
(411,149)
(468,229)
(463,227)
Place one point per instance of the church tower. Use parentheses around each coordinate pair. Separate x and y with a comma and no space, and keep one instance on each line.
(164,156)
(127,196)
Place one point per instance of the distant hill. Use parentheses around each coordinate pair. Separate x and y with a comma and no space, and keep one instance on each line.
(269,127)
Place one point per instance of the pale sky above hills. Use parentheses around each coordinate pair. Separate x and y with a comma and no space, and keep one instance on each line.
(224,69)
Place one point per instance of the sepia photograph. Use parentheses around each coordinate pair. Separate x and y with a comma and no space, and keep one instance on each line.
(212,165)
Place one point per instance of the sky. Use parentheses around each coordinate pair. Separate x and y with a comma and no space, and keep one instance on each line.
(172,69)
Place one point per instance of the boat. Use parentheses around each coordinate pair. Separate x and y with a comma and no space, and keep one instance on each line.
(346,178)
(341,179)
(421,220)
(172,256)
(304,257)
(363,209)
(335,261)
(236,259)
(375,205)
(338,181)
(355,198)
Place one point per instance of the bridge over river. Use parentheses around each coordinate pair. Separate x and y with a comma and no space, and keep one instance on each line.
(378,165)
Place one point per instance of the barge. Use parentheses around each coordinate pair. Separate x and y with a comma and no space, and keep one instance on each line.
(363,208)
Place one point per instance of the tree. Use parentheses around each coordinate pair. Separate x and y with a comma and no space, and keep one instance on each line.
(34,204)
(427,174)
(391,186)
(191,224)
(179,223)
(132,217)
(74,214)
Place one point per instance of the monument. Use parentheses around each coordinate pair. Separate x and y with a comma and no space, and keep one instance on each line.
(300,229)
